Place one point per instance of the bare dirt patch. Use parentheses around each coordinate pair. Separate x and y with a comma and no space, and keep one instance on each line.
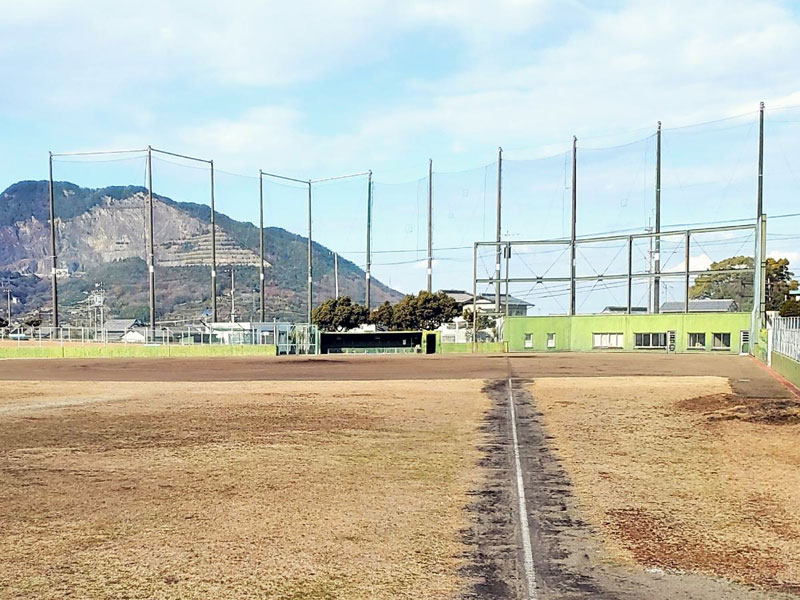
(237,490)
(733,407)
(682,474)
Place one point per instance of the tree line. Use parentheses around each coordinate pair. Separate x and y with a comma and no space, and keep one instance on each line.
(413,313)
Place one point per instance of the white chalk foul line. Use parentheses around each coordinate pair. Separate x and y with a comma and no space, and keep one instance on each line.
(527,549)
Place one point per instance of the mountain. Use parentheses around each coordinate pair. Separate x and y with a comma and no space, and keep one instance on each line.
(101,241)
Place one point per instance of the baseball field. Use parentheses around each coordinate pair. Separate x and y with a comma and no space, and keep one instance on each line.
(643,476)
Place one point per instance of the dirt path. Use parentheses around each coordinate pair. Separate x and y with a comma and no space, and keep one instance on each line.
(568,556)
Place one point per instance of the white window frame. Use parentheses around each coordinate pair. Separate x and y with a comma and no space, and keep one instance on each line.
(650,346)
(614,340)
(551,340)
(690,346)
(528,344)
(714,345)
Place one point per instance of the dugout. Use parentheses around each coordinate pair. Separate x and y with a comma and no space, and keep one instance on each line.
(377,342)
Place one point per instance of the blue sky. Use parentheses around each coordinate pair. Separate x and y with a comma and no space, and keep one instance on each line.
(314,89)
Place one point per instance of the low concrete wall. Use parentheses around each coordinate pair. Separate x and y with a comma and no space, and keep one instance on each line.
(787,367)
(73,350)
(482,348)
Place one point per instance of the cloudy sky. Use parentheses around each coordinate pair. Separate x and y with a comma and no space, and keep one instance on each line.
(314,89)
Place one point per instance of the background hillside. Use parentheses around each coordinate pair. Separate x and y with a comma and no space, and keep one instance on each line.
(101,241)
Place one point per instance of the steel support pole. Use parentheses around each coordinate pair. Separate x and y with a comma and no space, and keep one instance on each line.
(474,295)
(151,243)
(687,258)
(508,259)
(630,274)
(368,275)
(657,263)
(53,258)
(760,199)
(573,228)
(498,223)
(762,291)
(213,249)
(261,276)
(430,226)
(310,291)
(336,273)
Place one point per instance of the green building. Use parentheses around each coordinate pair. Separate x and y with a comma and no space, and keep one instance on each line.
(675,332)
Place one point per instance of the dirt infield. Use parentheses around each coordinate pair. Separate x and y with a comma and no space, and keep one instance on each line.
(390,477)
(271,490)
(746,374)
(680,474)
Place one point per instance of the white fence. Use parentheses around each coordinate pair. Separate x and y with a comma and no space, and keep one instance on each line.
(786,336)
(288,338)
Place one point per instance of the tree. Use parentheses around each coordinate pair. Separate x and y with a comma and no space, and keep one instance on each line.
(424,311)
(484,321)
(732,286)
(790,308)
(779,282)
(738,287)
(383,316)
(339,314)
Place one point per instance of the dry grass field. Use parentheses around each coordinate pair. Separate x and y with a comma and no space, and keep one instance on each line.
(680,473)
(286,490)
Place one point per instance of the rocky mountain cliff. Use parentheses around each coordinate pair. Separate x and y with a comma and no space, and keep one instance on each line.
(101,240)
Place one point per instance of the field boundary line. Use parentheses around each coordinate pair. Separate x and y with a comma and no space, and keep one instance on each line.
(527,549)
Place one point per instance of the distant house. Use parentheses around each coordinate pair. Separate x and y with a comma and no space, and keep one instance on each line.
(124,330)
(485,303)
(703,305)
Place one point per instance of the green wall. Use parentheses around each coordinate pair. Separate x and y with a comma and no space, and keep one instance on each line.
(482,348)
(75,350)
(574,334)
(787,367)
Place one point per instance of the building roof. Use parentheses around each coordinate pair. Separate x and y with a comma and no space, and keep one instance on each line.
(459,296)
(624,309)
(465,298)
(120,324)
(702,305)
(511,300)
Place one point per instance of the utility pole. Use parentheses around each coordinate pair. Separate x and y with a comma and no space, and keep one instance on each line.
(760,208)
(430,225)
(310,290)
(572,236)
(649,229)
(336,272)
(151,246)
(261,277)
(761,228)
(657,257)
(233,296)
(213,249)
(53,261)
(369,238)
(498,233)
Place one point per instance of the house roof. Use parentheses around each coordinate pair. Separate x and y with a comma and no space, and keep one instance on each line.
(702,305)
(511,299)
(463,297)
(120,324)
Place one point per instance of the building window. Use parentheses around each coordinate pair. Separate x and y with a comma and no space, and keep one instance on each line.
(651,340)
(722,341)
(697,341)
(529,340)
(551,340)
(607,340)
